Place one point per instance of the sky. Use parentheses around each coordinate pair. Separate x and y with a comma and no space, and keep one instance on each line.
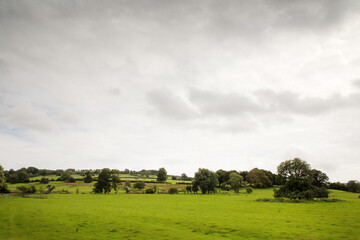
(180,84)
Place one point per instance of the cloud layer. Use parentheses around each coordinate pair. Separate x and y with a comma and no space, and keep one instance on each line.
(147,84)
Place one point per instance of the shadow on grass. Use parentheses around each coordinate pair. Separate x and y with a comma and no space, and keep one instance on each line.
(277,200)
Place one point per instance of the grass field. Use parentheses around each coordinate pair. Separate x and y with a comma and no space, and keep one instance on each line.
(182,216)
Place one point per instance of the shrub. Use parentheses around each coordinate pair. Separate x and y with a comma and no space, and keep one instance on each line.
(173,191)
(127,189)
(249,190)
(150,191)
(227,187)
(188,189)
(139,185)
(27,189)
(44,180)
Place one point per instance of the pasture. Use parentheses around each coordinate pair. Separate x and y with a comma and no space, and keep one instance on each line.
(182,216)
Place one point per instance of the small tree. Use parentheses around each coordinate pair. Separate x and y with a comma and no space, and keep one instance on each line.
(162,175)
(249,190)
(184,177)
(188,189)
(236,181)
(44,180)
(103,185)
(88,178)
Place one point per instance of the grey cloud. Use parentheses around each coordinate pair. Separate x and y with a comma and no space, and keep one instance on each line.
(317,15)
(290,102)
(260,103)
(25,116)
(170,105)
(356,83)
(223,104)
(114,91)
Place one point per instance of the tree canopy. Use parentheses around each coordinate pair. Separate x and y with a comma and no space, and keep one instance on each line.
(300,181)
(206,180)
(162,175)
(3,185)
(103,184)
(236,181)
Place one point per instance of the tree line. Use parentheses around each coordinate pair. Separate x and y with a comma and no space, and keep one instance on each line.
(295,180)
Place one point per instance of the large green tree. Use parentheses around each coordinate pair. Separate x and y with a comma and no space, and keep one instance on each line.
(103,184)
(3,185)
(162,175)
(206,180)
(299,181)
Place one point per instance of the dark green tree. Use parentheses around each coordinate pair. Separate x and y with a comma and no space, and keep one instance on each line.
(88,178)
(64,176)
(44,180)
(353,186)
(236,181)
(23,177)
(206,180)
(319,179)
(298,181)
(222,176)
(258,178)
(184,177)
(139,185)
(162,175)
(103,184)
(3,185)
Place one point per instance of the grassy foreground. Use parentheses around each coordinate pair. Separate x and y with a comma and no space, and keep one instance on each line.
(163,216)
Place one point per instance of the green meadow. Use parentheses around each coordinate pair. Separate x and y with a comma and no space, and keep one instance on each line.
(179,216)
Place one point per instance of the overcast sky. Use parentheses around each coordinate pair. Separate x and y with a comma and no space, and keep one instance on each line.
(180,84)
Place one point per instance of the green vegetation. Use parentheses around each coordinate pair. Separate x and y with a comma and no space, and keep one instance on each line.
(301,182)
(3,185)
(142,206)
(206,180)
(162,175)
(184,216)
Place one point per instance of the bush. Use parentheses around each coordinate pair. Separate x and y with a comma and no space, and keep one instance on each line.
(27,189)
(249,190)
(188,189)
(150,191)
(44,180)
(139,185)
(173,191)
(127,189)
